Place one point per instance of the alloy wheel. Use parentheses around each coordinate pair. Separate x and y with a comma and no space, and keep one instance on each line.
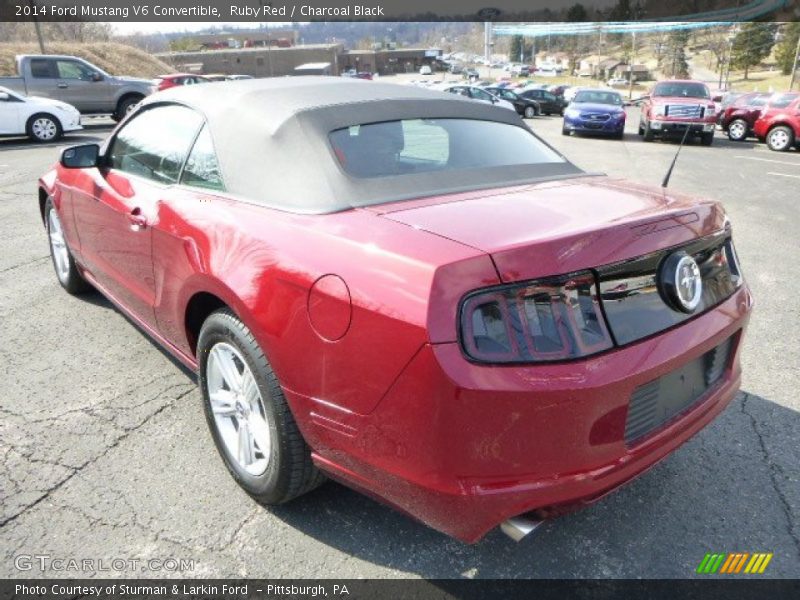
(737,130)
(238,409)
(58,246)
(779,139)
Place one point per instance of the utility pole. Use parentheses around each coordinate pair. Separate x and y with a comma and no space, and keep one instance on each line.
(731,37)
(32,4)
(630,68)
(794,67)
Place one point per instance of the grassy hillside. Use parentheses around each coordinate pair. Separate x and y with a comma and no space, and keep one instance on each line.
(115,59)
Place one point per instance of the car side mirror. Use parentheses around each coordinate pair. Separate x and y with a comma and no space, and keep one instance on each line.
(97,77)
(4,96)
(80,157)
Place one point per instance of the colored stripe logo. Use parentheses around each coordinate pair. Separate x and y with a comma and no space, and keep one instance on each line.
(734,562)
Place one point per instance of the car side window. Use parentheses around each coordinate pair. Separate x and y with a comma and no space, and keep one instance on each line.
(70,69)
(155,143)
(43,68)
(481,95)
(202,167)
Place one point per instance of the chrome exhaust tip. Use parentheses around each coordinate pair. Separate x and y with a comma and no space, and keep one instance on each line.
(518,527)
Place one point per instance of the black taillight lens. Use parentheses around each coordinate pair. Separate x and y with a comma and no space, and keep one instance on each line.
(535,321)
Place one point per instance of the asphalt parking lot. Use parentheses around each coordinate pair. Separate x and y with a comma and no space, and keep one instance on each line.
(105,451)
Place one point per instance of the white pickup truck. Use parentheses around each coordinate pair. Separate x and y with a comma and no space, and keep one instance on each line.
(77,82)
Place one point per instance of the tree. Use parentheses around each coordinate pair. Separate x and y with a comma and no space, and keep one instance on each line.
(717,40)
(577,13)
(674,62)
(787,47)
(515,51)
(621,12)
(752,44)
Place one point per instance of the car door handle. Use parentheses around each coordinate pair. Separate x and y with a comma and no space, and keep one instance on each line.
(62,85)
(137,219)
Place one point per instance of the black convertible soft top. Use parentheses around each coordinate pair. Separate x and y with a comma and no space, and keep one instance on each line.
(271,139)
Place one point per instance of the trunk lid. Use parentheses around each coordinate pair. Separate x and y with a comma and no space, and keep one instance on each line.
(559,227)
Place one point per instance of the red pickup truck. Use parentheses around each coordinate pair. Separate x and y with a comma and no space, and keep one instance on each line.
(674,105)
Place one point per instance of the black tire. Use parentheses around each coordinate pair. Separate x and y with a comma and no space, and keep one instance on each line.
(547,114)
(125,105)
(738,130)
(43,128)
(648,134)
(565,131)
(70,279)
(707,138)
(290,471)
(780,138)
(641,128)
(530,112)
(620,135)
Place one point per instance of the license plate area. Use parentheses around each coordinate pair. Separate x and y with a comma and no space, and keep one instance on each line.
(654,404)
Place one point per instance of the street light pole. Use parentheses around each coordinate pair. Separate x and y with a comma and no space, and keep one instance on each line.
(630,68)
(32,4)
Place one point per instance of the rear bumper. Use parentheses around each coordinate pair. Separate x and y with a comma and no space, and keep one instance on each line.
(463,447)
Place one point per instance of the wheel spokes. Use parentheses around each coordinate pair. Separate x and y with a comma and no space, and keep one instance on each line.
(223,403)
(250,389)
(223,360)
(259,430)
(246,450)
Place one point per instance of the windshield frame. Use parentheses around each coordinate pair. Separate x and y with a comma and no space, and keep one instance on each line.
(698,84)
(609,92)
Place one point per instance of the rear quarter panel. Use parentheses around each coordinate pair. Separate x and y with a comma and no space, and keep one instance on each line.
(263,262)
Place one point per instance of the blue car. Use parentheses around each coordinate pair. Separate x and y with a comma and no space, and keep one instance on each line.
(595,111)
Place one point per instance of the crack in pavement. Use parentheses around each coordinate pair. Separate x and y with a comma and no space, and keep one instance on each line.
(25,264)
(774,472)
(127,431)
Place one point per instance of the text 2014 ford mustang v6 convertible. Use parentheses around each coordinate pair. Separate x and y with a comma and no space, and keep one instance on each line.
(407,292)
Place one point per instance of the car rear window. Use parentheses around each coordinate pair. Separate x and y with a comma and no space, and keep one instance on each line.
(687,89)
(782,100)
(423,145)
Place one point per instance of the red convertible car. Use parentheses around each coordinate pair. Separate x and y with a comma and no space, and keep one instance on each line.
(407,292)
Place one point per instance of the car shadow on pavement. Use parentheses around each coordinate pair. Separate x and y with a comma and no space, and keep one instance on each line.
(727,490)
(97,299)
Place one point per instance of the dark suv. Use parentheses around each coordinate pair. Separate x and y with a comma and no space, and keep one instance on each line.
(525,106)
(548,102)
(737,120)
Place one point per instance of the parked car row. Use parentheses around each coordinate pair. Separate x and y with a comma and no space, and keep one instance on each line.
(673,106)
(50,93)
(771,118)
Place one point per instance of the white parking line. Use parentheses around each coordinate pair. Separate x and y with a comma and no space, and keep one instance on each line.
(785,175)
(780,162)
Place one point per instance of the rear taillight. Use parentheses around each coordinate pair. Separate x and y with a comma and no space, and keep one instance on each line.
(732,259)
(535,321)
